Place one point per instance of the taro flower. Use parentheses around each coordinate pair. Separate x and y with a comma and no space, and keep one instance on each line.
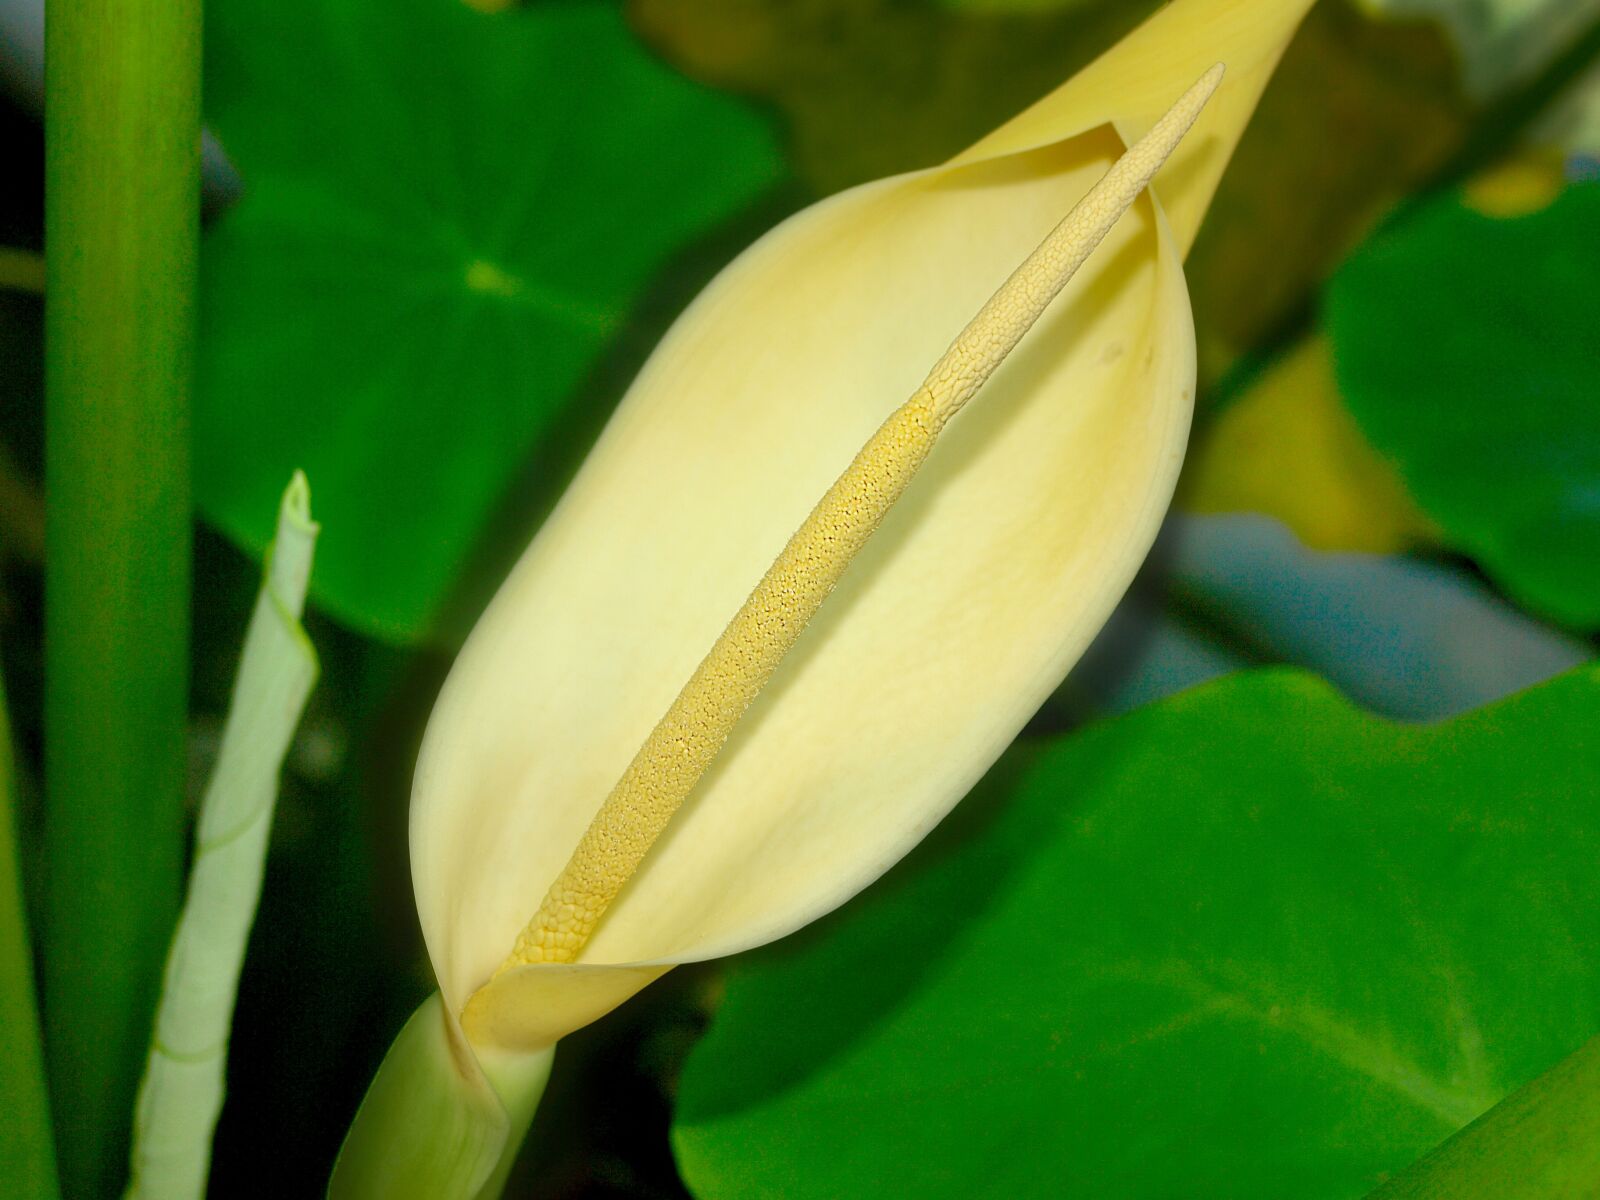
(1008,532)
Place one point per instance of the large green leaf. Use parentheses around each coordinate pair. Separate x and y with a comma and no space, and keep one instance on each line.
(1465,346)
(446,216)
(1247,942)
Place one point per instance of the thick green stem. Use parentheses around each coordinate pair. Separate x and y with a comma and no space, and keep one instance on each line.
(441,1121)
(1542,1142)
(122,117)
(27,1157)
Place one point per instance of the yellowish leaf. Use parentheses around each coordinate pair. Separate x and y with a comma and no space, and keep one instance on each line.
(1523,183)
(1288,448)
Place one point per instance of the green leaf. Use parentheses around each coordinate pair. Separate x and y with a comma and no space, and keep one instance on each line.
(27,1150)
(181,1094)
(1465,348)
(1247,942)
(1540,1143)
(447,215)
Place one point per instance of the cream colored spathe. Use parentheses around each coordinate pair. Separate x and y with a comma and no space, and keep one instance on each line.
(983,586)
(686,741)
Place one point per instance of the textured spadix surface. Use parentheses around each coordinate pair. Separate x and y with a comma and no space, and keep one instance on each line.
(980,590)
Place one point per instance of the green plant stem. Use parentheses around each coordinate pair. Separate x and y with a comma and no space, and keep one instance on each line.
(122,118)
(27,1156)
(1542,1142)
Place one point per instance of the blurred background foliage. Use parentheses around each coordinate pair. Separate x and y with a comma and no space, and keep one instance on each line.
(1271,937)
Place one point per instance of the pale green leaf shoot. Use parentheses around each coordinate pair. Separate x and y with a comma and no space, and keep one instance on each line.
(182,1091)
